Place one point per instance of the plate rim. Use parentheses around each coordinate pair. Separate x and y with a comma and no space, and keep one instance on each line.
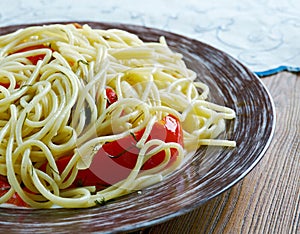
(190,207)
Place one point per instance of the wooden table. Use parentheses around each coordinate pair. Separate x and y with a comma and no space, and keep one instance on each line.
(267,200)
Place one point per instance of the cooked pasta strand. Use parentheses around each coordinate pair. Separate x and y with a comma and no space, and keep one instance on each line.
(54,103)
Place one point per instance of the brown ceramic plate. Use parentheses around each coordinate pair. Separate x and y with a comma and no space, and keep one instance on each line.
(209,173)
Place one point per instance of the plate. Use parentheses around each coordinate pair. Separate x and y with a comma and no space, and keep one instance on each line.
(209,173)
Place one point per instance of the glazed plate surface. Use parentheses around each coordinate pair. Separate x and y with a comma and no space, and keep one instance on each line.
(210,172)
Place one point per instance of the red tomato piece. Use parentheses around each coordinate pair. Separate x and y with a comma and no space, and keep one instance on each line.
(77,25)
(111,96)
(115,160)
(36,58)
(167,130)
(6,85)
(15,198)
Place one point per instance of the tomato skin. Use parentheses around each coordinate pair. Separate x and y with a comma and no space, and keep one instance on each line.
(34,59)
(167,130)
(77,25)
(15,199)
(6,85)
(83,178)
(124,151)
(115,160)
(111,96)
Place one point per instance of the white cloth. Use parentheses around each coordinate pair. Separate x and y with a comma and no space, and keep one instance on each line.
(262,34)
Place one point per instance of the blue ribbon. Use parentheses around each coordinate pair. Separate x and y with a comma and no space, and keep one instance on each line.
(276,70)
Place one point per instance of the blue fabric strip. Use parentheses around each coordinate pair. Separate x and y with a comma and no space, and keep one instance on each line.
(276,70)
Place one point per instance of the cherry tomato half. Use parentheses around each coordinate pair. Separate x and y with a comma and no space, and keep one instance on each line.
(115,160)
(15,199)
(34,59)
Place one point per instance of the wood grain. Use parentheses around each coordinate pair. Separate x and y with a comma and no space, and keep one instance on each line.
(267,200)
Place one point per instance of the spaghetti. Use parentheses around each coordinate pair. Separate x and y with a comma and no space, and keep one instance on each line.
(71,95)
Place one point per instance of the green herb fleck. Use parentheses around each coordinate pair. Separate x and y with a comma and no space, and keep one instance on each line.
(106,37)
(101,202)
(31,170)
(134,137)
(53,170)
(82,61)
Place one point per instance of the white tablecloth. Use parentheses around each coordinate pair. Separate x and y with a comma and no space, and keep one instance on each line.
(261,34)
